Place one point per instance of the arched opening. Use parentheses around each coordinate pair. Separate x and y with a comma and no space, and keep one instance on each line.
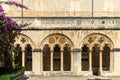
(100,54)
(95,59)
(106,58)
(18,55)
(85,58)
(46,58)
(60,58)
(28,57)
(67,58)
(56,58)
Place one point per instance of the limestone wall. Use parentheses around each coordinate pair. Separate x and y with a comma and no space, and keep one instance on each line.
(67,8)
(12,11)
(77,38)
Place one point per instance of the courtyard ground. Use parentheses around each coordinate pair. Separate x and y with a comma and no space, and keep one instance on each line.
(73,78)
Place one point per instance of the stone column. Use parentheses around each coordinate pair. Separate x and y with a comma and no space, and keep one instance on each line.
(71,61)
(51,60)
(111,60)
(76,61)
(23,57)
(13,59)
(90,60)
(62,60)
(41,60)
(100,61)
(37,66)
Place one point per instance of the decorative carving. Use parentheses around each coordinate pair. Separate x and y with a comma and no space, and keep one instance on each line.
(51,40)
(56,37)
(101,40)
(90,40)
(103,22)
(62,40)
(26,21)
(23,40)
(57,23)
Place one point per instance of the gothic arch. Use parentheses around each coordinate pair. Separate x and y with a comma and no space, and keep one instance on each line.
(60,47)
(97,38)
(100,55)
(23,40)
(59,39)
(26,45)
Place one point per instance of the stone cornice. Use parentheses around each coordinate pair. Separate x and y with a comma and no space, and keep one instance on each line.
(86,23)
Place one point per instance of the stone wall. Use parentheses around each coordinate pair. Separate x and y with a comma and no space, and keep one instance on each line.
(77,38)
(67,8)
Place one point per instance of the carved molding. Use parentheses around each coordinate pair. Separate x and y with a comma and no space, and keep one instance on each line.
(54,39)
(69,23)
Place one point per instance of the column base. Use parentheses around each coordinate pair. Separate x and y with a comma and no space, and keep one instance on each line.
(100,73)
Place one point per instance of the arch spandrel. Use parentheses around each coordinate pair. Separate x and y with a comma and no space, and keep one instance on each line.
(54,39)
(97,38)
(23,40)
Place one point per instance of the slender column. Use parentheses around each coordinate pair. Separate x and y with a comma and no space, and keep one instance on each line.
(71,61)
(62,60)
(90,60)
(100,61)
(23,57)
(13,61)
(51,60)
(111,60)
(41,60)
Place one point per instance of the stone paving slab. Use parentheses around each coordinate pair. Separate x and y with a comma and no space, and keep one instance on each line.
(73,78)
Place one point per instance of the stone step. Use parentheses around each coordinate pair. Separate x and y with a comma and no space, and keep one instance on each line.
(72,78)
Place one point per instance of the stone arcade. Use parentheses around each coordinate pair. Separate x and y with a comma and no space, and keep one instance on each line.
(69,37)
(59,50)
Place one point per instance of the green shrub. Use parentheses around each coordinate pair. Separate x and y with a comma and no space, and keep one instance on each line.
(19,69)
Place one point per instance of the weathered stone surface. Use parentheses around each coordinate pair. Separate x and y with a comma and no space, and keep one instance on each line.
(67,8)
(75,22)
(70,23)
(11,10)
(38,36)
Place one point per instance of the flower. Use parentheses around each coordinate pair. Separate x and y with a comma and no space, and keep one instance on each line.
(14,3)
(7,22)
(1,9)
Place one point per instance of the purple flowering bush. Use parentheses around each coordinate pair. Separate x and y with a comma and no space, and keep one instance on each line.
(10,2)
(8,31)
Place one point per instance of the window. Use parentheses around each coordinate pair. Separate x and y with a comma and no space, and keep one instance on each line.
(28,57)
(85,58)
(67,58)
(56,58)
(46,58)
(106,58)
(18,55)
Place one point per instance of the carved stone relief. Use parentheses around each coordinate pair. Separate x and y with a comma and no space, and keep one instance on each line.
(98,39)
